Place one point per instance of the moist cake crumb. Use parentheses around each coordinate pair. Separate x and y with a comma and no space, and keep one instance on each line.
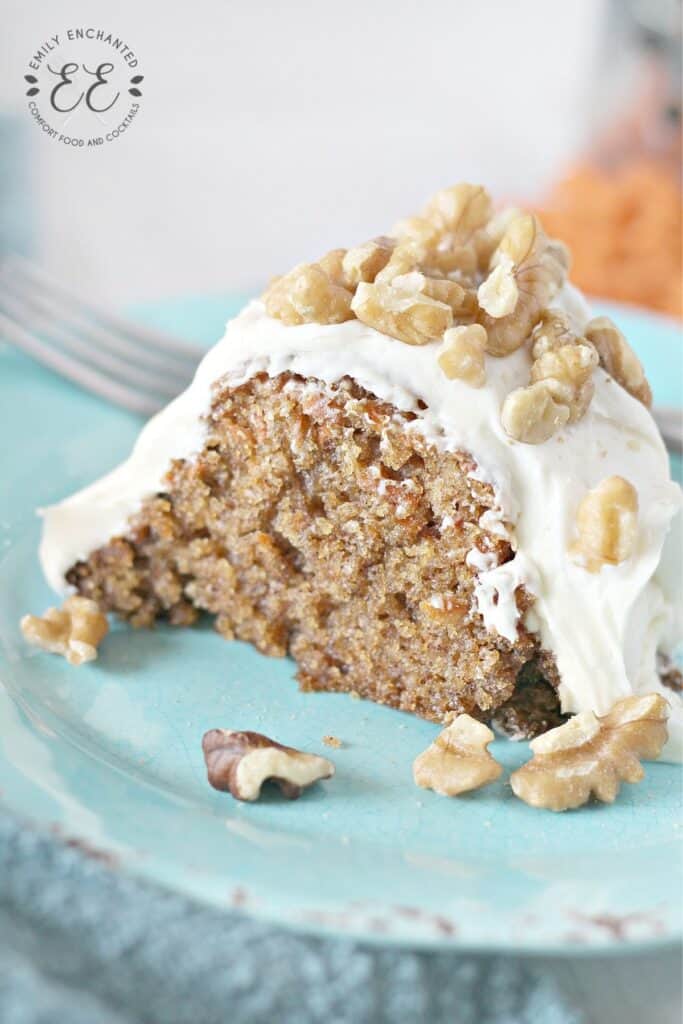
(311,524)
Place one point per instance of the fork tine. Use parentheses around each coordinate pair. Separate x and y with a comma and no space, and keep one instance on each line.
(133,399)
(88,351)
(167,343)
(175,372)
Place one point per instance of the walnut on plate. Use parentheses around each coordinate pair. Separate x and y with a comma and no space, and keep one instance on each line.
(607,524)
(458,760)
(75,630)
(308,295)
(239,762)
(590,756)
(618,358)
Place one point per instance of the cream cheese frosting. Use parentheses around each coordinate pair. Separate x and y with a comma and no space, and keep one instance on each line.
(603,628)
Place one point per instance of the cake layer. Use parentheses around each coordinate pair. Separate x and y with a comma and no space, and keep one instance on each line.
(602,628)
(316,522)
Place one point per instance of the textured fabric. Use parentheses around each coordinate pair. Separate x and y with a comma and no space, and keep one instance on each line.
(83,944)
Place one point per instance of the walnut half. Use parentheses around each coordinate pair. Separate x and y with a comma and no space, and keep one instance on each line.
(618,358)
(75,630)
(307,295)
(240,762)
(457,761)
(536,269)
(590,756)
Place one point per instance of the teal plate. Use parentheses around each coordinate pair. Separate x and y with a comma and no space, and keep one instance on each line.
(109,755)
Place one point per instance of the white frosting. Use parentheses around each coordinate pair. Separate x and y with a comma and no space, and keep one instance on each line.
(603,628)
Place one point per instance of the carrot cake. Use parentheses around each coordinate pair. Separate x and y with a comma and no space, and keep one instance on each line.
(419,467)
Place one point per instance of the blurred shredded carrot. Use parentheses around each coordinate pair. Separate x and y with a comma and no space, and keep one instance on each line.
(624,229)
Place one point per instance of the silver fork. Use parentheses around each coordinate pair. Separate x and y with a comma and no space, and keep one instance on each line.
(132,366)
(129,365)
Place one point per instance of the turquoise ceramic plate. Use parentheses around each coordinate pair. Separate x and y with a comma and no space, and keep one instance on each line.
(110,755)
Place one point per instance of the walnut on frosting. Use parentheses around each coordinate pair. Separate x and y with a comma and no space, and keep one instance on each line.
(308,295)
(404,312)
(561,385)
(532,415)
(332,263)
(539,272)
(364,262)
(618,358)
(457,265)
(606,524)
(568,372)
(463,354)
(551,332)
(499,293)
(444,240)
(591,756)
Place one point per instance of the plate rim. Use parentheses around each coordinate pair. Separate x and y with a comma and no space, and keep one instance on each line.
(147,868)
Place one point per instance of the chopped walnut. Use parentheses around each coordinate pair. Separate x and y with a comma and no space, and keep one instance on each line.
(590,756)
(532,415)
(417,230)
(463,354)
(445,240)
(333,265)
(406,258)
(332,741)
(308,295)
(539,272)
(607,524)
(460,210)
(364,262)
(568,370)
(407,315)
(489,238)
(462,301)
(551,332)
(457,761)
(561,386)
(618,358)
(75,630)
(499,293)
(240,762)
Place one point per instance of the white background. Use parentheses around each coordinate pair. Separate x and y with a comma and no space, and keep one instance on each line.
(270,132)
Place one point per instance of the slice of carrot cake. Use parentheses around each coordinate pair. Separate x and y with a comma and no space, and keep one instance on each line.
(419,467)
